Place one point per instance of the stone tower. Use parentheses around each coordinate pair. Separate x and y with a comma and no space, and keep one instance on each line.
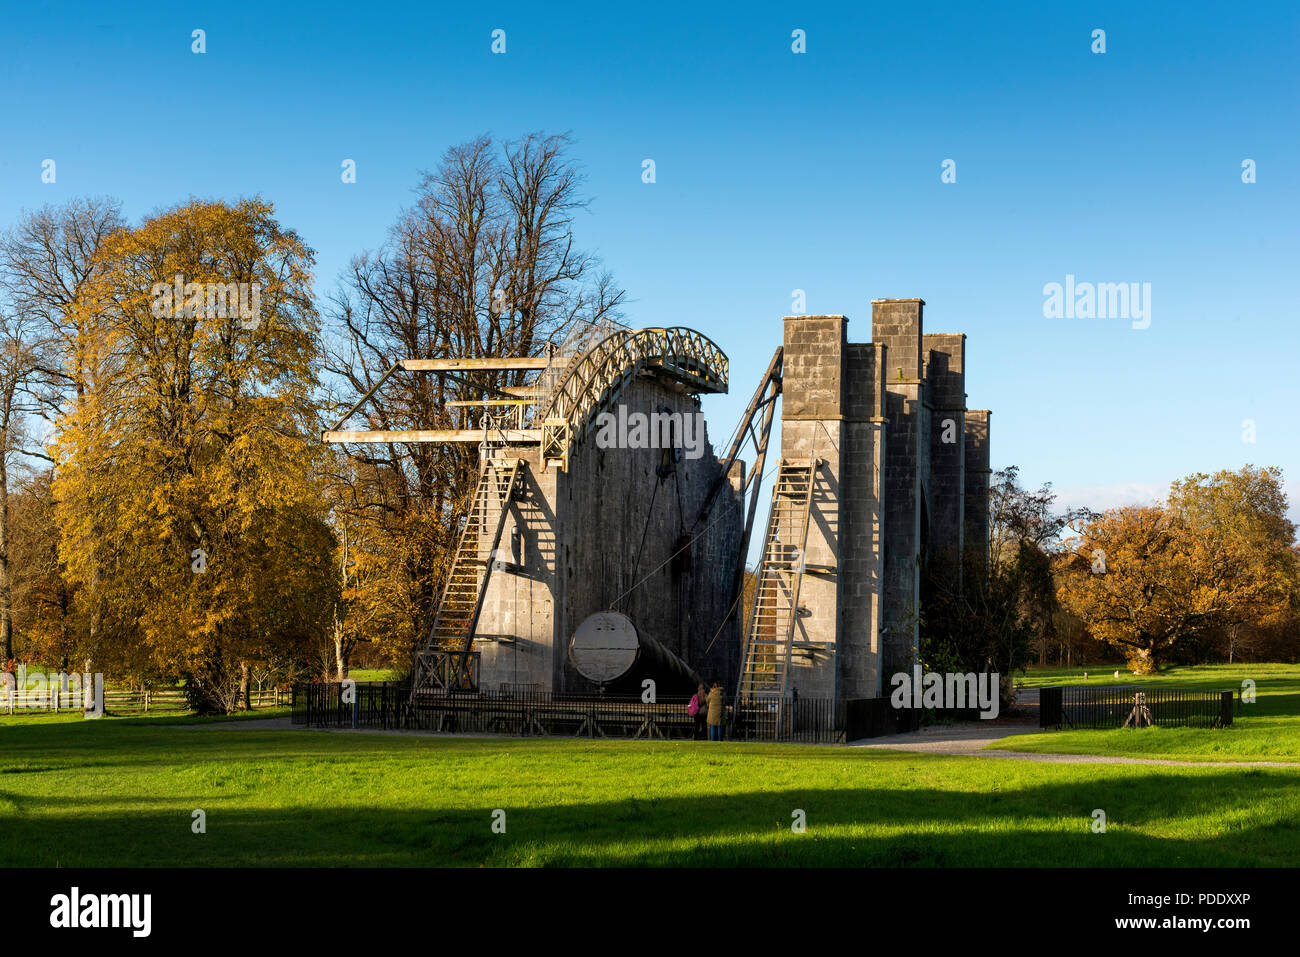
(902,484)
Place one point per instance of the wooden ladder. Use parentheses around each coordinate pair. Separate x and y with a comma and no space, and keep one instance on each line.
(471,568)
(765,669)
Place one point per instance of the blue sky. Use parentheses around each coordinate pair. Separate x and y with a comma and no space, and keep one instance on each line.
(775,171)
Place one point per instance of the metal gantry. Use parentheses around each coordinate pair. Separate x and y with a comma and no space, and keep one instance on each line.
(571,392)
(577,381)
(596,379)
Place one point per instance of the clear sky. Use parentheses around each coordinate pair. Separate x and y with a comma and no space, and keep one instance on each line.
(775,171)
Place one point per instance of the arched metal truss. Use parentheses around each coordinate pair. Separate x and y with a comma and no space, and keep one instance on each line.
(596,379)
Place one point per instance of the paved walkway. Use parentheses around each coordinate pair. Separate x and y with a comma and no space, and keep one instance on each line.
(966,738)
(971,740)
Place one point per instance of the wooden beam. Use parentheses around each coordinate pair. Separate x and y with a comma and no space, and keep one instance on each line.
(383,436)
(365,398)
(402,364)
(486,364)
(458,403)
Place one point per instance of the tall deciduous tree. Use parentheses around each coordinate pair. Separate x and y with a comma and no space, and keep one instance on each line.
(484,264)
(53,348)
(46,616)
(1219,553)
(17,365)
(186,497)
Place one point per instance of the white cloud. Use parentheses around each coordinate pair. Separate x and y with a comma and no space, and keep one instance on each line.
(1101,497)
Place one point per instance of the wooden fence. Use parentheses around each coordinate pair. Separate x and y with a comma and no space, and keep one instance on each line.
(119,700)
(173,699)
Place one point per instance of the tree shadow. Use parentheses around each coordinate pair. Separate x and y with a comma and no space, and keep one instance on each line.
(1228,819)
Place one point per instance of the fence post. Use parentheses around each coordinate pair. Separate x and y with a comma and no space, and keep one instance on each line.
(1049,707)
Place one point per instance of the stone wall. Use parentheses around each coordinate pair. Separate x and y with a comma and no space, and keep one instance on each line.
(516,629)
(897,325)
(894,496)
(978,477)
(862,553)
(812,421)
(832,409)
(946,391)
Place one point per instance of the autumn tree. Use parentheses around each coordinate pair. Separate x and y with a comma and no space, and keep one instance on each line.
(17,365)
(46,614)
(484,264)
(373,605)
(1219,553)
(53,349)
(186,497)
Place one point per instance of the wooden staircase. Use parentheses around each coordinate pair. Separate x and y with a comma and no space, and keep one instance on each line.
(764,676)
(471,568)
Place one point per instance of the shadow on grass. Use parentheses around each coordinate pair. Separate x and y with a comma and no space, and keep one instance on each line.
(1239,820)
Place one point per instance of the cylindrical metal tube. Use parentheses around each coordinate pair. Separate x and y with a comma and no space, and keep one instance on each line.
(608,651)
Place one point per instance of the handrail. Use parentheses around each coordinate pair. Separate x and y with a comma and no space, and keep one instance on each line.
(596,378)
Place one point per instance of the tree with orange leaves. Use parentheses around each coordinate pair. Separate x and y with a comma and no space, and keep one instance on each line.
(1218,553)
(186,481)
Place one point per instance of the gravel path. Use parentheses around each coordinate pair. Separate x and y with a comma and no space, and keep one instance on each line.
(971,740)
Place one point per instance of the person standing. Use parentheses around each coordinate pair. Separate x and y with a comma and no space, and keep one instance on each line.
(698,709)
(716,711)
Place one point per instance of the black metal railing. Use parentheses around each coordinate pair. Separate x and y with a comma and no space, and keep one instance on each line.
(796,719)
(875,717)
(1117,706)
(528,713)
(386,705)
(825,721)
(367,704)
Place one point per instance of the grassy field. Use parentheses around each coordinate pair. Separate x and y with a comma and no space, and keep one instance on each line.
(374,674)
(121,791)
(1268,730)
(1209,677)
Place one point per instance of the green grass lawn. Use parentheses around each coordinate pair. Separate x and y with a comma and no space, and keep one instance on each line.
(121,791)
(1268,730)
(1209,677)
(374,674)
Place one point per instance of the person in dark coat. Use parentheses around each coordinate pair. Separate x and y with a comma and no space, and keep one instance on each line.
(716,711)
